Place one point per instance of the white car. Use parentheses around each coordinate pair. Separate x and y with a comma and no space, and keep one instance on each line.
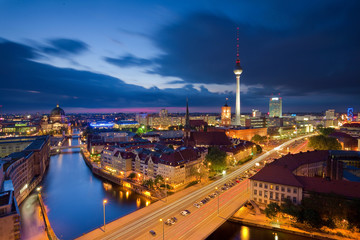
(184,213)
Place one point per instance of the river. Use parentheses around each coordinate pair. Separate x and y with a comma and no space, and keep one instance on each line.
(235,231)
(74,198)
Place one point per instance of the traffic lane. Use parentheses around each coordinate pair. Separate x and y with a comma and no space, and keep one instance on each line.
(200,215)
(210,223)
(185,223)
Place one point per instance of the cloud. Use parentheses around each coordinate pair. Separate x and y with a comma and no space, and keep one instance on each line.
(78,89)
(316,54)
(128,61)
(64,47)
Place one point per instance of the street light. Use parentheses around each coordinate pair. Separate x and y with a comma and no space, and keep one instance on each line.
(166,179)
(104,202)
(218,201)
(161,220)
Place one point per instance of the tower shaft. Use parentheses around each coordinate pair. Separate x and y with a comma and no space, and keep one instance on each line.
(237,107)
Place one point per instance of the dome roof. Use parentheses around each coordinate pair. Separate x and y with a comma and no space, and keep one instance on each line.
(57,111)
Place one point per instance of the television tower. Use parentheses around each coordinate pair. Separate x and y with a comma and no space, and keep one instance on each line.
(237,71)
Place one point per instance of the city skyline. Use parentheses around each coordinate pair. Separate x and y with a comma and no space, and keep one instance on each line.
(132,59)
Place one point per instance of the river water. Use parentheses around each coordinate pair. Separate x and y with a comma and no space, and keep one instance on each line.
(73,197)
(235,231)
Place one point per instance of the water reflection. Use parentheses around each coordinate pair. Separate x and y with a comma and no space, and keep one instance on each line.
(74,196)
(234,231)
(244,232)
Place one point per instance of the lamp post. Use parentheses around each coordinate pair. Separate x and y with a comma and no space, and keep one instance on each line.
(166,179)
(161,220)
(104,202)
(218,200)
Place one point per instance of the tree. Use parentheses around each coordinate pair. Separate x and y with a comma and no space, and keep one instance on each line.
(148,183)
(312,217)
(322,142)
(132,175)
(326,131)
(158,180)
(217,158)
(257,138)
(272,210)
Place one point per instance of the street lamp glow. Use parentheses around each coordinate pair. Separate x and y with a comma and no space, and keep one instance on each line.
(104,202)
(224,172)
(163,228)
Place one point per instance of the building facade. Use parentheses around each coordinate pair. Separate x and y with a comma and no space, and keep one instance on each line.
(275,107)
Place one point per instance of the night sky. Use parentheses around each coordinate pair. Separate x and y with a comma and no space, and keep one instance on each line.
(111,56)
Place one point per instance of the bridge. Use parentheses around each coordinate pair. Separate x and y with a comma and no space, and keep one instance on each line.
(67,147)
(199,224)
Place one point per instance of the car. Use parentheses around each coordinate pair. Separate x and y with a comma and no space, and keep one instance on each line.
(211,196)
(184,213)
(174,219)
(207,199)
(169,222)
(188,212)
(152,232)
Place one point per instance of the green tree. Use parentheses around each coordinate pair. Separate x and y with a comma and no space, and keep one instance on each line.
(322,142)
(312,217)
(257,138)
(326,131)
(148,183)
(132,175)
(158,180)
(217,158)
(272,210)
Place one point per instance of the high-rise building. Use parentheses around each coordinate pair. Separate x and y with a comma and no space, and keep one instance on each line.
(275,107)
(237,72)
(256,113)
(163,113)
(330,114)
(225,115)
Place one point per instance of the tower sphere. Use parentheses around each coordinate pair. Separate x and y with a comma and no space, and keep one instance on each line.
(237,69)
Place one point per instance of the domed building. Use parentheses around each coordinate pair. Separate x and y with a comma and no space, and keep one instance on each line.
(56,122)
(57,115)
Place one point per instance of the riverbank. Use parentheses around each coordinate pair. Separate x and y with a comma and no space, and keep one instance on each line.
(247,217)
(96,170)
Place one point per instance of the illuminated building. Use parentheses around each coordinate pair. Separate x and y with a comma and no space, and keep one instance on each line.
(237,72)
(295,176)
(255,122)
(225,115)
(275,107)
(26,167)
(163,113)
(9,216)
(56,122)
(330,114)
(255,113)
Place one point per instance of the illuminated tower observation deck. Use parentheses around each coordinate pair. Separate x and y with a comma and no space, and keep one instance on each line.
(237,71)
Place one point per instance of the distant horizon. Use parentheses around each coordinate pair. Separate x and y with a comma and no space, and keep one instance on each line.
(152,110)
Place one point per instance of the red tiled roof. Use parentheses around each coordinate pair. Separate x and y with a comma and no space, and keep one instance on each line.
(293,161)
(210,138)
(339,187)
(197,123)
(276,174)
(179,157)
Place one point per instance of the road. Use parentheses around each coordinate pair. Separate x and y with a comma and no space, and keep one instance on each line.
(136,227)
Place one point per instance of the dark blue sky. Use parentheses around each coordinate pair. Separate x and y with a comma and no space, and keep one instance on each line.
(116,55)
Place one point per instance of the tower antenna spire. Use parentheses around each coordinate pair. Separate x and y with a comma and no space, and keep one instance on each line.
(237,46)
